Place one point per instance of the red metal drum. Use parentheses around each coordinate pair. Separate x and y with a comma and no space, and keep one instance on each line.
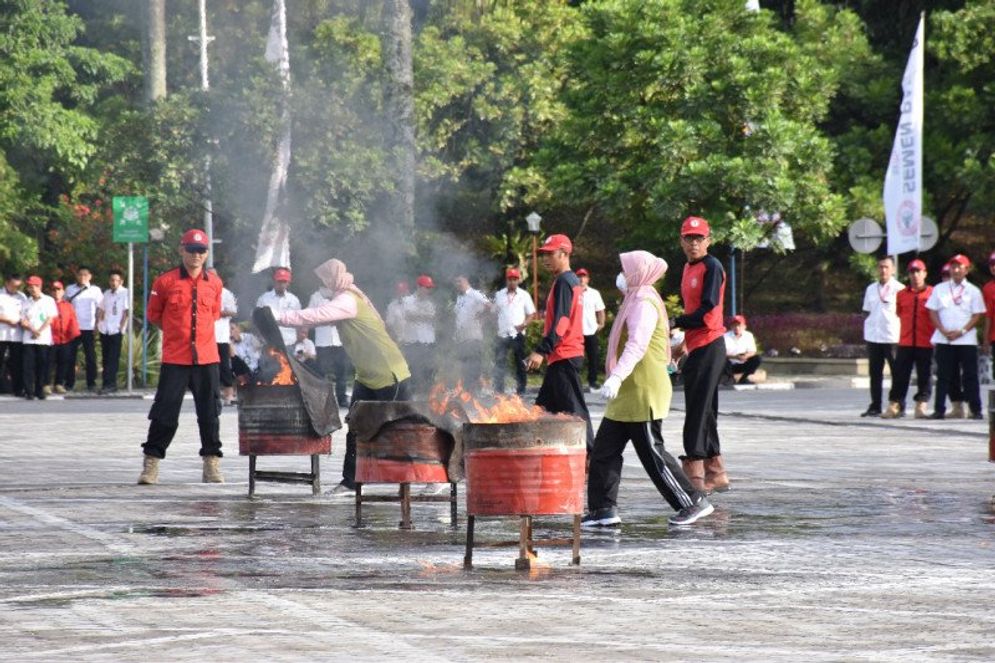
(272,420)
(528,468)
(404,452)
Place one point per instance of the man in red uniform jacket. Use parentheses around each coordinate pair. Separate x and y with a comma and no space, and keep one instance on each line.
(988,294)
(703,290)
(914,346)
(562,344)
(185,302)
(65,330)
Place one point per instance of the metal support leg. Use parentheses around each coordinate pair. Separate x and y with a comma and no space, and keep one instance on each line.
(405,506)
(576,559)
(359,505)
(315,475)
(468,555)
(452,505)
(252,474)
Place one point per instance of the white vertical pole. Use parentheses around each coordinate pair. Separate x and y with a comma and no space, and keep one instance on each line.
(131,312)
(203,40)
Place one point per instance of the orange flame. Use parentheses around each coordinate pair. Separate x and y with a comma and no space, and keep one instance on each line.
(286,375)
(500,410)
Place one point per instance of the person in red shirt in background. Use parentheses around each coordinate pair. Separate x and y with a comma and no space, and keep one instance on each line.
(914,346)
(703,291)
(65,329)
(185,303)
(988,294)
(562,344)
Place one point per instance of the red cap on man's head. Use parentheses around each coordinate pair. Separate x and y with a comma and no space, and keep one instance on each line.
(512,273)
(401,289)
(57,285)
(34,280)
(960,258)
(194,238)
(282,274)
(917,264)
(581,272)
(425,281)
(739,320)
(695,225)
(557,243)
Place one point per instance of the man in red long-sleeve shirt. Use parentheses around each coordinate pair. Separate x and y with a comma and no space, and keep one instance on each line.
(65,330)
(914,346)
(702,289)
(562,344)
(185,303)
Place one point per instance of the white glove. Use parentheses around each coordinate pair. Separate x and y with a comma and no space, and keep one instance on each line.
(610,388)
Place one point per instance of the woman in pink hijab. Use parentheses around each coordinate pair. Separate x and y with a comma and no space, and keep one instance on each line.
(638,391)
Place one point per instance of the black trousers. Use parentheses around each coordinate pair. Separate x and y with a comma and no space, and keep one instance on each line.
(949,360)
(360,392)
(561,391)
(421,362)
(110,348)
(663,469)
(34,362)
(702,372)
(470,355)
(60,362)
(334,362)
(744,370)
(501,348)
(905,359)
(12,361)
(878,354)
(592,351)
(164,417)
(225,374)
(86,339)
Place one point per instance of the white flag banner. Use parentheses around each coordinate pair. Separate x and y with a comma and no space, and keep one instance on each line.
(903,181)
(273,249)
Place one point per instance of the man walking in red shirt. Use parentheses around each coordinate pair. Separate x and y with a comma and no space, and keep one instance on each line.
(914,346)
(562,344)
(185,303)
(988,294)
(703,290)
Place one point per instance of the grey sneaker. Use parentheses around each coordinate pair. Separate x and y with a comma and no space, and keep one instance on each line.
(599,518)
(691,514)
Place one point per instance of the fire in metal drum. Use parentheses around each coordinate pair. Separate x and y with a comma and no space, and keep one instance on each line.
(529,468)
(404,452)
(272,420)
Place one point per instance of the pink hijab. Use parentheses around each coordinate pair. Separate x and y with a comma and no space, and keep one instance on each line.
(336,277)
(641,269)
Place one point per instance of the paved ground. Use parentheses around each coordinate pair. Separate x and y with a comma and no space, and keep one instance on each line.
(843,539)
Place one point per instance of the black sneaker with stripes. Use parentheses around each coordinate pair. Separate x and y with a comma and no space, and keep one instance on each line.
(693,513)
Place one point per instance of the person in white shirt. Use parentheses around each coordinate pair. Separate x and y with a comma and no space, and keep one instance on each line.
(222,336)
(469,311)
(332,358)
(245,351)
(956,307)
(515,310)
(741,351)
(593,321)
(85,298)
(281,300)
(11,350)
(881,329)
(37,313)
(418,339)
(112,321)
(303,349)
(395,311)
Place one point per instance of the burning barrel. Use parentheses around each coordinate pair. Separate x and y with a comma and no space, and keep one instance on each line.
(525,469)
(404,452)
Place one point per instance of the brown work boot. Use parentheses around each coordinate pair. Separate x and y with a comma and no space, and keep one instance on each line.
(715,475)
(893,411)
(921,410)
(957,410)
(212,470)
(695,471)
(150,471)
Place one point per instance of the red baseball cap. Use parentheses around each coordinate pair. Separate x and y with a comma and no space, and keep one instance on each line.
(695,225)
(194,238)
(960,258)
(282,274)
(917,264)
(401,288)
(425,281)
(738,319)
(557,243)
(512,273)
(582,272)
(34,280)
(58,284)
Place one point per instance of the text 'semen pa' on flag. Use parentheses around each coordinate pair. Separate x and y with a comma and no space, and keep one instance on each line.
(903,181)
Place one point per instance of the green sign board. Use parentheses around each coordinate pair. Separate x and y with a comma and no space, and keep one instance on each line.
(131,219)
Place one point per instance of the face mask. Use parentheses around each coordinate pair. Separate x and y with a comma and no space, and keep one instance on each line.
(620,283)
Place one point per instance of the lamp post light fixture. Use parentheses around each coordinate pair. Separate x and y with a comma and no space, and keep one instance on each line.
(534,220)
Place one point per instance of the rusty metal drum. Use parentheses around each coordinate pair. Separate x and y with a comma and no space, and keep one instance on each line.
(404,452)
(272,420)
(528,468)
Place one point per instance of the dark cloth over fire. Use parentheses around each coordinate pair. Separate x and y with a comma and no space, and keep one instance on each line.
(367,418)
(318,394)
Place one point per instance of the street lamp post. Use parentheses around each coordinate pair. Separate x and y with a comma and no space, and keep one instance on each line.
(534,220)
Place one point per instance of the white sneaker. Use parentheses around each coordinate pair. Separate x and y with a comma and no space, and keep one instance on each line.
(341,490)
(594,390)
(434,489)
